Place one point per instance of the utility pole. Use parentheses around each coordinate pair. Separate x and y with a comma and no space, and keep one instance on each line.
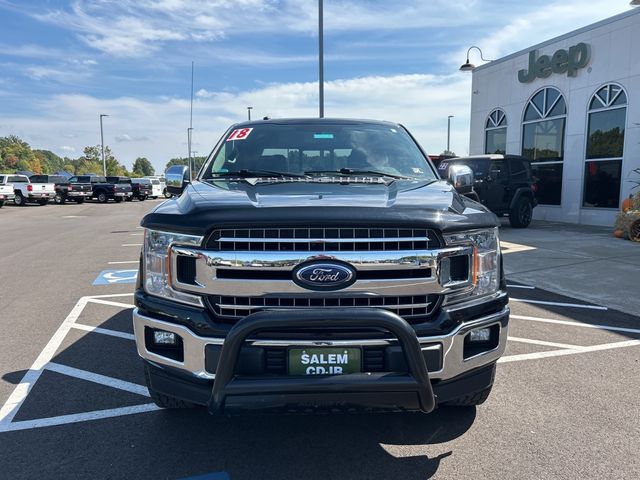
(449,133)
(189,133)
(190,129)
(249,112)
(104,163)
(321,57)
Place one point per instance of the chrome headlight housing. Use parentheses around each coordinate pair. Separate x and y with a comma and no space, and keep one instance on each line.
(156,265)
(484,265)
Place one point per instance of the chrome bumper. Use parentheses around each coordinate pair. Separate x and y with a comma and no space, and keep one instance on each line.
(451,345)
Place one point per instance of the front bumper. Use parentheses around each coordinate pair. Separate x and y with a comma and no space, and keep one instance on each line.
(454,360)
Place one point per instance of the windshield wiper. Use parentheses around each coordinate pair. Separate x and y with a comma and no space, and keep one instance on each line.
(351,171)
(245,173)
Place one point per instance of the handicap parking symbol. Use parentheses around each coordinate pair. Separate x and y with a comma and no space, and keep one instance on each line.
(113,277)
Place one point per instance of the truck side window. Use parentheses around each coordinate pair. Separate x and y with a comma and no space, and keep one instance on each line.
(497,170)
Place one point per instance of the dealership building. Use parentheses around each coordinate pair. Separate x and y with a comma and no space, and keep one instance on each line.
(572,106)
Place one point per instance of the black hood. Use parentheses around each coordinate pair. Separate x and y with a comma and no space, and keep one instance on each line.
(204,206)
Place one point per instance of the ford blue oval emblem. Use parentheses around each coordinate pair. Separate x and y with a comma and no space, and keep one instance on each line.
(324,276)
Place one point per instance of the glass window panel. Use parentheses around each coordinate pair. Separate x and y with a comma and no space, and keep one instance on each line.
(552,94)
(596,103)
(489,122)
(544,140)
(620,100)
(606,133)
(496,141)
(558,108)
(530,113)
(602,184)
(538,100)
(548,180)
(502,119)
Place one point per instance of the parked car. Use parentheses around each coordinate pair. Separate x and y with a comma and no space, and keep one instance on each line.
(141,188)
(26,191)
(502,183)
(163,185)
(6,190)
(65,189)
(122,188)
(319,264)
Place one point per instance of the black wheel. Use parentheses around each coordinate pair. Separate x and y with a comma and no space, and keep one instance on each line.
(142,198)
(102,197)
(167,194)
(19,200)
(520,215)
(44,201)
(162,400)
(117,199)
(58,199)
(128,199)
(1,203)
(79,201)
(470,400)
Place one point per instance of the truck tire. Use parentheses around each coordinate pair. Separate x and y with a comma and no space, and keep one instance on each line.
(79,201)
(167,194)
(128,199)
(521,213)
(162,400)
(142,198)
(102,197)
(470,400)
(58,199)
(44,201)
(117,199)
(19,200)
(1,203)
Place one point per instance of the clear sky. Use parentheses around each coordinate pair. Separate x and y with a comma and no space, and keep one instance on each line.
(62,63)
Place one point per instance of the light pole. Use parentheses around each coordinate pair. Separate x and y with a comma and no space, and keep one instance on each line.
(321,58)
(449,133)
(189,133)
(104,163)
(249,112)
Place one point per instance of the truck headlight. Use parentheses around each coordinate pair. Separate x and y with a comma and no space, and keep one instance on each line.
(485,264)
(157,268)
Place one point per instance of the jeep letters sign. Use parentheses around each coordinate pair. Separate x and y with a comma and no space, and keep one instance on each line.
(562,61)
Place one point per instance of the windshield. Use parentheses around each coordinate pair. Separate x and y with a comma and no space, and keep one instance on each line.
(320,149)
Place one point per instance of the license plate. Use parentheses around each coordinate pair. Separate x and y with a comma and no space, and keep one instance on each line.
(324,361)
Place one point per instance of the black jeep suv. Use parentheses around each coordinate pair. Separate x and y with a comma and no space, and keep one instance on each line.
(319,264)
(502,183)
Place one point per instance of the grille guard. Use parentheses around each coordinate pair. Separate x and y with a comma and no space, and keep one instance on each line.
(226,383)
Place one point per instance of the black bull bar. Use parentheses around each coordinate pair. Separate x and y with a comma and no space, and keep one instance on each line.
(255,390)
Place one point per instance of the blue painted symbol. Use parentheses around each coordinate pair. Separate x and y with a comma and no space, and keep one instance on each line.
(116,277)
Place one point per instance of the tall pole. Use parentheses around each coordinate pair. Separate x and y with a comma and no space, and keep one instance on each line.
(190,129)
(321,58)
(449,133)
(249,112)
(104,163)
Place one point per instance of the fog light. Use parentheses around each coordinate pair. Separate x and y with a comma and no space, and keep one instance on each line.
(160,337)
(480,335)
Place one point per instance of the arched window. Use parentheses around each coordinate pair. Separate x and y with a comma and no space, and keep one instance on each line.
(495,137)
(543,128)
(605,145)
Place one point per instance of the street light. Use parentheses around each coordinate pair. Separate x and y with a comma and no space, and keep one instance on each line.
(449,133)
(468,66)
(189,133)
(104,163)
(320,58)
(249,112)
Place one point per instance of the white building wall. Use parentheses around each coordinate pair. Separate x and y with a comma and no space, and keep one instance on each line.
(615,58)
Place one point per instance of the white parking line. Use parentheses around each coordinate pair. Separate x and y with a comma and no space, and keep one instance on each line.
(77,417)
(108,302)
(17,397)
(577,324)
(127,261)
(528,287)
(131,245)
(103,331)
(558,304)
(572,351)
(544,343)
(111,295)
(97,378)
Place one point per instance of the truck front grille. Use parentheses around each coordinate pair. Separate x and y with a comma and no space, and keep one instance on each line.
(339,239)
(414,309)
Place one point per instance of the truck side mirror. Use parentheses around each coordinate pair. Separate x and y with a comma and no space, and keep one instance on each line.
(177,179)
(461,177)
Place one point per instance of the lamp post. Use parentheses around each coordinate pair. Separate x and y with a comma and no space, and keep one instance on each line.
(104,163)
(189,133)
(320,58)
(468,66)
(449,133)
(249,112)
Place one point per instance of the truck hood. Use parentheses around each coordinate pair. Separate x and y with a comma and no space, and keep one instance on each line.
(204,206)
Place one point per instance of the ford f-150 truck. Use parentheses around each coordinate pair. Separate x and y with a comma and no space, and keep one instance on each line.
(6,190)
(65,190)
(26,191)
(319,265)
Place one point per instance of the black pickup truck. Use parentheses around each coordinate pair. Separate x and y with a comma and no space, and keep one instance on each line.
(104,189)
(319,265)
(65,189)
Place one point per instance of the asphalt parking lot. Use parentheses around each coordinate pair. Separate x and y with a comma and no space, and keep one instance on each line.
(73,402)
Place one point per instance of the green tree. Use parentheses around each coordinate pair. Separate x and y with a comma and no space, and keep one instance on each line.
(197,162)
(50,162)
(15,153)
(142,167)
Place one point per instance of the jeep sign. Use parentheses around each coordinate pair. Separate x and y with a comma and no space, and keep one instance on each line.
(560,62)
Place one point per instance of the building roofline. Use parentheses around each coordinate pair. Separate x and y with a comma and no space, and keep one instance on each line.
(615,18)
